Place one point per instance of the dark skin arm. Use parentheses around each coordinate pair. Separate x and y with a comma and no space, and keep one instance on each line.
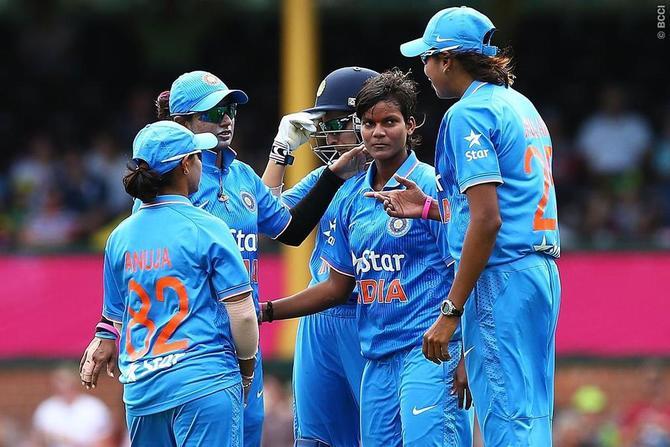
(100,353)
(461,387)
(480,237)
(329,293)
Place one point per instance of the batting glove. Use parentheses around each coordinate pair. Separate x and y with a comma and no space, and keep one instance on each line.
(294,131)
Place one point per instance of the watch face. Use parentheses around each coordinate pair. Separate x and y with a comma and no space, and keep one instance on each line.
(447,308)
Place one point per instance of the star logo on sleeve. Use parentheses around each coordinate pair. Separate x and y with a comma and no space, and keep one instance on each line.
(473,138)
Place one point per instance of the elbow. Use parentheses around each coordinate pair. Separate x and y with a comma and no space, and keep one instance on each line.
(341,298)
(250,321)
(294,234)
(487,222)
(290,241)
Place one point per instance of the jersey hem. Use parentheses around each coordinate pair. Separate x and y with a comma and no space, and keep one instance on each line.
(338,270)
(478,180)
(163,406)
(285,227)
(232,291)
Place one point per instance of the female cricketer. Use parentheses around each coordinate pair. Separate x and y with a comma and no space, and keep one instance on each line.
(395,264)
(328,365)
(170,269)
(493,162)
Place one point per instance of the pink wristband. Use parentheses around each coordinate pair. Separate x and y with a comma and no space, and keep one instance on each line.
(426,207)
(109,328)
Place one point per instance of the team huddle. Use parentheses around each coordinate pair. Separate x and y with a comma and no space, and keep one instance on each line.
(434,288)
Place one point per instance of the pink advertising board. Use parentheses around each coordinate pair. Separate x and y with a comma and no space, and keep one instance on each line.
(614,304)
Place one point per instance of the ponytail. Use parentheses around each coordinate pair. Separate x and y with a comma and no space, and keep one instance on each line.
(492,69)
(163,106)
(142,183)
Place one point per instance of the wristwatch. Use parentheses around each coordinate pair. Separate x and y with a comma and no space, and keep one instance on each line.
(448,309)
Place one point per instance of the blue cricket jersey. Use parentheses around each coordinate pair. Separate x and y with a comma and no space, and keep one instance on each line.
(325,235)
(494,134)
(236,195)
(401,274)
(166,269)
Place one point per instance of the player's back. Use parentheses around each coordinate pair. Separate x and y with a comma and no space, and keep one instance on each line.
(519,140)
(176,343)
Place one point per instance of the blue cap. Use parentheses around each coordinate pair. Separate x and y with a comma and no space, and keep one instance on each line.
(339,89)
(163,144)
(199,91)
(454,29)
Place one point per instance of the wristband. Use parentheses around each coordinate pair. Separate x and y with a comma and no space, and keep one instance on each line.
(269,312)
(277,190)
(281,155)
(106,328)
(426,207)
(247,380)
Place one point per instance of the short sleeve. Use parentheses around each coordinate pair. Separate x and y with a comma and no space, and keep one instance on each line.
(113,305)
(292,196)
(436,228)
(273,216)
(228,275)
(338,255)
(469,138)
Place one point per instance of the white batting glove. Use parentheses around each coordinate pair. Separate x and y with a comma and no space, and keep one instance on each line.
(294,131)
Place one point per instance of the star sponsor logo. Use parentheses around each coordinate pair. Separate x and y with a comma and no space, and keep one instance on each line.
(248,200)
(398,227)
(246,242)
(476,155)
(473,138)
(131,372)
(377,262)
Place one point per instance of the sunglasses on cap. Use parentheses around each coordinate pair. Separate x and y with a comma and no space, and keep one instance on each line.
(426,54)
(335,124)
(216,114)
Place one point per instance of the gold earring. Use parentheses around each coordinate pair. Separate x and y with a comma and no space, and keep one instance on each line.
(185,171)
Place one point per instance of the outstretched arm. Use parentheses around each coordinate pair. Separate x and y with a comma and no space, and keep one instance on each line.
(329,293)
(410,202)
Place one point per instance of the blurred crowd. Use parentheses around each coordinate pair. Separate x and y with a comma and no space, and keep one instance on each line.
(612,176)
(71,417)
(591,420)
(83,83)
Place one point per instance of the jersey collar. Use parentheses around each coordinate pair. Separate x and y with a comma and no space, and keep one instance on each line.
(403,171)
(209,158)
(167,199)
(473,87)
